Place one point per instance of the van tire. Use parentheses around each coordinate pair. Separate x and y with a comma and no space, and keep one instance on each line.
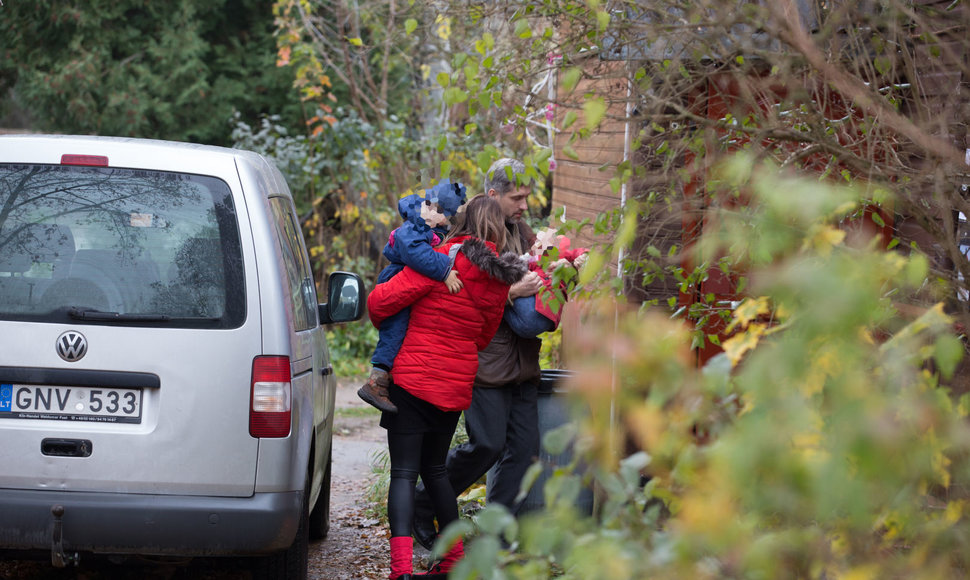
(320,516)
(291,563)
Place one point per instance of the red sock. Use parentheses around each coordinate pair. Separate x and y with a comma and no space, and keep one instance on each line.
(402,556)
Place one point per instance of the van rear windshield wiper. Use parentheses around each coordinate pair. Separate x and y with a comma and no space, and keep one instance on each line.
(101,315)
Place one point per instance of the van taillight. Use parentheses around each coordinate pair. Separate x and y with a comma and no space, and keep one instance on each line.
(269,398)
(90,160)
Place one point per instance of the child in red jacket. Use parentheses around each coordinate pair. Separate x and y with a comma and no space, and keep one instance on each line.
(530,316)
(436,366)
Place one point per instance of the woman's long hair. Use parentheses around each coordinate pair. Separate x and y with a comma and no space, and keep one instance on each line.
(481,218)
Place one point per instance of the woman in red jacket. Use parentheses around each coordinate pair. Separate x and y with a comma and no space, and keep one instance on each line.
(431,382)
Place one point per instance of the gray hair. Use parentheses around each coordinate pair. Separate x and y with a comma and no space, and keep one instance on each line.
(505,175)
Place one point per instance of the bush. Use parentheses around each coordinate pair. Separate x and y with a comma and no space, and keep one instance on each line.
(824,443)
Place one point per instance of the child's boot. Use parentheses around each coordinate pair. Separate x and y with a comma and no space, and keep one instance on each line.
(402,557)
(375,392)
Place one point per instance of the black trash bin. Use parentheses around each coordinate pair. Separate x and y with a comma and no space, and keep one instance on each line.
(553,413)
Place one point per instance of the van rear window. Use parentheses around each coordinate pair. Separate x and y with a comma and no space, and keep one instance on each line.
(104,246)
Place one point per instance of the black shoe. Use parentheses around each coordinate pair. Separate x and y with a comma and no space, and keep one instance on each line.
(422,526)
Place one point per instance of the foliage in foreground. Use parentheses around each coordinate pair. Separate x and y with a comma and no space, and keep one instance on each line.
(823,444)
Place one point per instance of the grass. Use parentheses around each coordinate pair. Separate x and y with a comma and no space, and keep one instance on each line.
(357,412)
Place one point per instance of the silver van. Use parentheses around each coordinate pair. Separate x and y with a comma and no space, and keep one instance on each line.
(165,383)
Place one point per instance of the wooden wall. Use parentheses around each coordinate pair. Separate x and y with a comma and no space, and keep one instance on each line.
(582,185)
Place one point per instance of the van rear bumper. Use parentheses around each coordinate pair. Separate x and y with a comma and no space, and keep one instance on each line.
(118,523)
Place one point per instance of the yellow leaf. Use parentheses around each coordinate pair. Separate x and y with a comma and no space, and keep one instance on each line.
(749,310)
(443,27)
(822,238)
(953,512)
(736,346)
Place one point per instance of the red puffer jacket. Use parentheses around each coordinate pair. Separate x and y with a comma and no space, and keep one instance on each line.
(439,357)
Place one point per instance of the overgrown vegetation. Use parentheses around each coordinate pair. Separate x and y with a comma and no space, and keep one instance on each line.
(816,447)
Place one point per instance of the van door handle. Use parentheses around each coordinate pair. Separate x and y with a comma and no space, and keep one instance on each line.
(326,371)
(66,447)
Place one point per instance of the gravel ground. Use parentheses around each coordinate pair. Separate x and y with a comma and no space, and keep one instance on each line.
(356,548)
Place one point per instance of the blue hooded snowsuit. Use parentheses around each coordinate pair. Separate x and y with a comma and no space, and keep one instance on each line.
(412,245)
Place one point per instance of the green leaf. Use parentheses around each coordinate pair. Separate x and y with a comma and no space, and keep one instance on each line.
(495,519)
(615,184)
(444,79)
(594,263)
(454,96)
(410,25)
(628,229)
(947,352)
(528,480)
(570,78)
(484,160)
(522,28)
(556,440)
(603,20)
(470,128)
(355,41)
(595,110)
(569,119)
(883,64)
(916,270)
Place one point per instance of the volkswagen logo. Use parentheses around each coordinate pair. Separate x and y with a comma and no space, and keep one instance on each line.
(72,346)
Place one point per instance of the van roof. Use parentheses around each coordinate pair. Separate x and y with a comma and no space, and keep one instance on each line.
(132,153)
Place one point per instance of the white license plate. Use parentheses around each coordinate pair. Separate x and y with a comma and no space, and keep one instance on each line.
(62,403)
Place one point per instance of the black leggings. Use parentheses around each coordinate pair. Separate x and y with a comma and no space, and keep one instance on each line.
(413,454)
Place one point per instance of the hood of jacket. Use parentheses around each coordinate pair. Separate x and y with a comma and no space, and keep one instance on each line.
(409,207)
(507,268)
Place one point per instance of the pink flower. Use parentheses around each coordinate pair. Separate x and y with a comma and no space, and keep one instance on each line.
(553,165)
(508,128)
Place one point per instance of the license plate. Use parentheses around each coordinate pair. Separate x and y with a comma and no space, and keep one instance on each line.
(62,403)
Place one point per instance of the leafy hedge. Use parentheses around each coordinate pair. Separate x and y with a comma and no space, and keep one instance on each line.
(824,443)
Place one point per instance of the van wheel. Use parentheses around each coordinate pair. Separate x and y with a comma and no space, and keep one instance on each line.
(320,516)
(291,563)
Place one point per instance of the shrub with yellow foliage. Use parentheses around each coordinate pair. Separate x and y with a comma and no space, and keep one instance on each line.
(824,442)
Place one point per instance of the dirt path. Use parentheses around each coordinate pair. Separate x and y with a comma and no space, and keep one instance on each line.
(356,548)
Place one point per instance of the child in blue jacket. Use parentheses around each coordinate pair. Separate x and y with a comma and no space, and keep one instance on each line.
(426,221)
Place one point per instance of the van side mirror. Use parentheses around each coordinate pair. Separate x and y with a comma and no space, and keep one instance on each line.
(345,298)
